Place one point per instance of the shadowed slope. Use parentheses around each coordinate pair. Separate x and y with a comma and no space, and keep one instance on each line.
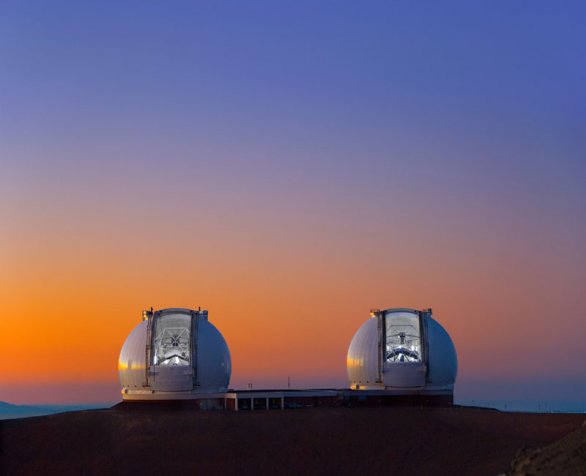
(566,456)
(310,441)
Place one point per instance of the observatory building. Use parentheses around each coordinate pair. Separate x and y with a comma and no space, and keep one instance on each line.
(399,356)
(174,354)
(403,352)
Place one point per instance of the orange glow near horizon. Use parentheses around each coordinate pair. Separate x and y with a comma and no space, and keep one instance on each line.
(71,306)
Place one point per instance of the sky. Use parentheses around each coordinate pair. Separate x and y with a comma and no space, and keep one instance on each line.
(289,166)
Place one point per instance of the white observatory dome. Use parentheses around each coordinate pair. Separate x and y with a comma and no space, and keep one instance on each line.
(402,349)
(186,356)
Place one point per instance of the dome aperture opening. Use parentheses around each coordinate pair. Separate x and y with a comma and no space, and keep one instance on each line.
(172,342)
(403,338)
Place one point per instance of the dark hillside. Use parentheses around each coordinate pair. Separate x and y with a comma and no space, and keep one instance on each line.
(307,441)
(566,456)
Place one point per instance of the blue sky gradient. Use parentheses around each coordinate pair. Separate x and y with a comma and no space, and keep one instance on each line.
(338,144)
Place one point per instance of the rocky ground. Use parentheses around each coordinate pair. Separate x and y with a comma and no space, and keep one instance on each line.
(323,441)
(566,456)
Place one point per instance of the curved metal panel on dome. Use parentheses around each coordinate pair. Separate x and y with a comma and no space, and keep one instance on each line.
(363,357)
(213,356)
(443,360)
(131,363)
